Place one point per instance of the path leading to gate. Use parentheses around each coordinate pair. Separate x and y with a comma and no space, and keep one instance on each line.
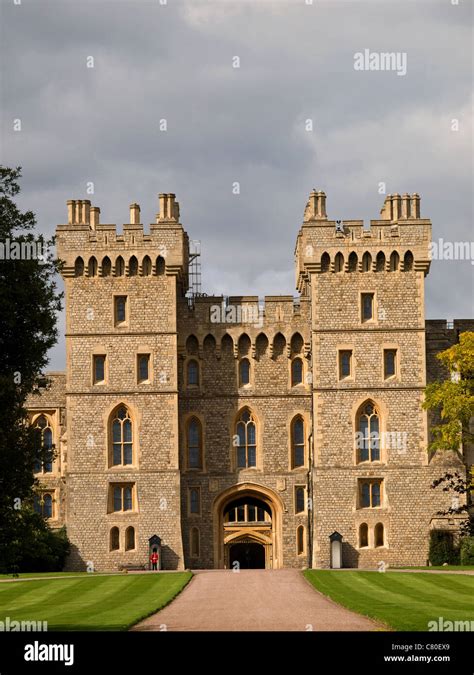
(259,600)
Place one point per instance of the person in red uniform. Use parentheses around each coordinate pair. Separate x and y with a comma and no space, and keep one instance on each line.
(154,560)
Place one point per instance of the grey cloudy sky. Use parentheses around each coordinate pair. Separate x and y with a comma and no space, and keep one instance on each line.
(247,124)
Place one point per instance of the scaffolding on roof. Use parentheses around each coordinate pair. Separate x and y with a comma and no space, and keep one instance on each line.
(194,271)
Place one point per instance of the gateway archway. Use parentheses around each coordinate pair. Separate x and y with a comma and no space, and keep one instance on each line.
(247,528)
(248,555)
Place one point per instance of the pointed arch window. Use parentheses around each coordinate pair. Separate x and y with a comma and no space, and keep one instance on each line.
(394,262)
(46,443)
(106,267)
(368,436)
(352,266)
(325,262)
(380,262)
(146,266)
(408,261)
(366,262)
(339,263)
(122,437)
(119,267)
(160,266)
(297,442)
(92,267)
(79,267)
(133,266)
(246,433)
(194,443)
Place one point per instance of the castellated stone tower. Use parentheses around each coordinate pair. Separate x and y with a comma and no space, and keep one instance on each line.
(123,479)
(371,473)
(242,431)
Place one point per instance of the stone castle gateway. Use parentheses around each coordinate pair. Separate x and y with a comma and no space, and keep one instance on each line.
(244,432)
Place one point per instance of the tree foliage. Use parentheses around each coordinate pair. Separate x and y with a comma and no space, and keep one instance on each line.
(453,398)
(29,302)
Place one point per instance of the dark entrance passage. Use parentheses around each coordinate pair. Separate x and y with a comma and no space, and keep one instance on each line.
(249,556)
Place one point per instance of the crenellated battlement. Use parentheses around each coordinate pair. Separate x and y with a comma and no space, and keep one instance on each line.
(396,207)
(399,241)
(227,310)
(89,248)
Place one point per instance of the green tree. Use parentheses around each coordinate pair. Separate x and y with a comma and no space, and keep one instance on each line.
(453,399)
(29,302)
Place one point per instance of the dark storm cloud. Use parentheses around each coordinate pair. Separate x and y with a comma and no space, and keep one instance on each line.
(248,124)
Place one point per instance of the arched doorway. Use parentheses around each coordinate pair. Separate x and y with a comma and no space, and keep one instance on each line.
(247,528)
(247,555)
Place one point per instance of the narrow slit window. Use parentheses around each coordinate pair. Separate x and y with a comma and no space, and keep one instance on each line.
(367,306)
(120,309)
(193,373)
(390,363)
(194,501)
(143,367)
(345,363)
(297,441)
(299,499)
(296,372)
(99,368)
(244,372)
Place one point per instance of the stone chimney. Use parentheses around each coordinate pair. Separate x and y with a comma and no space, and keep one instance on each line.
(405,206)
(400,208)
(71,204)
(322,205)
(396,206)
(176,211)
(316,206)
(78,211)
(386,211)
(134,214)
(163,201)
(169,207)
(415,205)
(86,211)
(95,216)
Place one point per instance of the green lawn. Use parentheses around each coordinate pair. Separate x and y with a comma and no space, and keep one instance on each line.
(402,601)
(90,602)
(45,575)
(459,568)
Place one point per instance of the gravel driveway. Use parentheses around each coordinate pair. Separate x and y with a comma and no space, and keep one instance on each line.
(253,600)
